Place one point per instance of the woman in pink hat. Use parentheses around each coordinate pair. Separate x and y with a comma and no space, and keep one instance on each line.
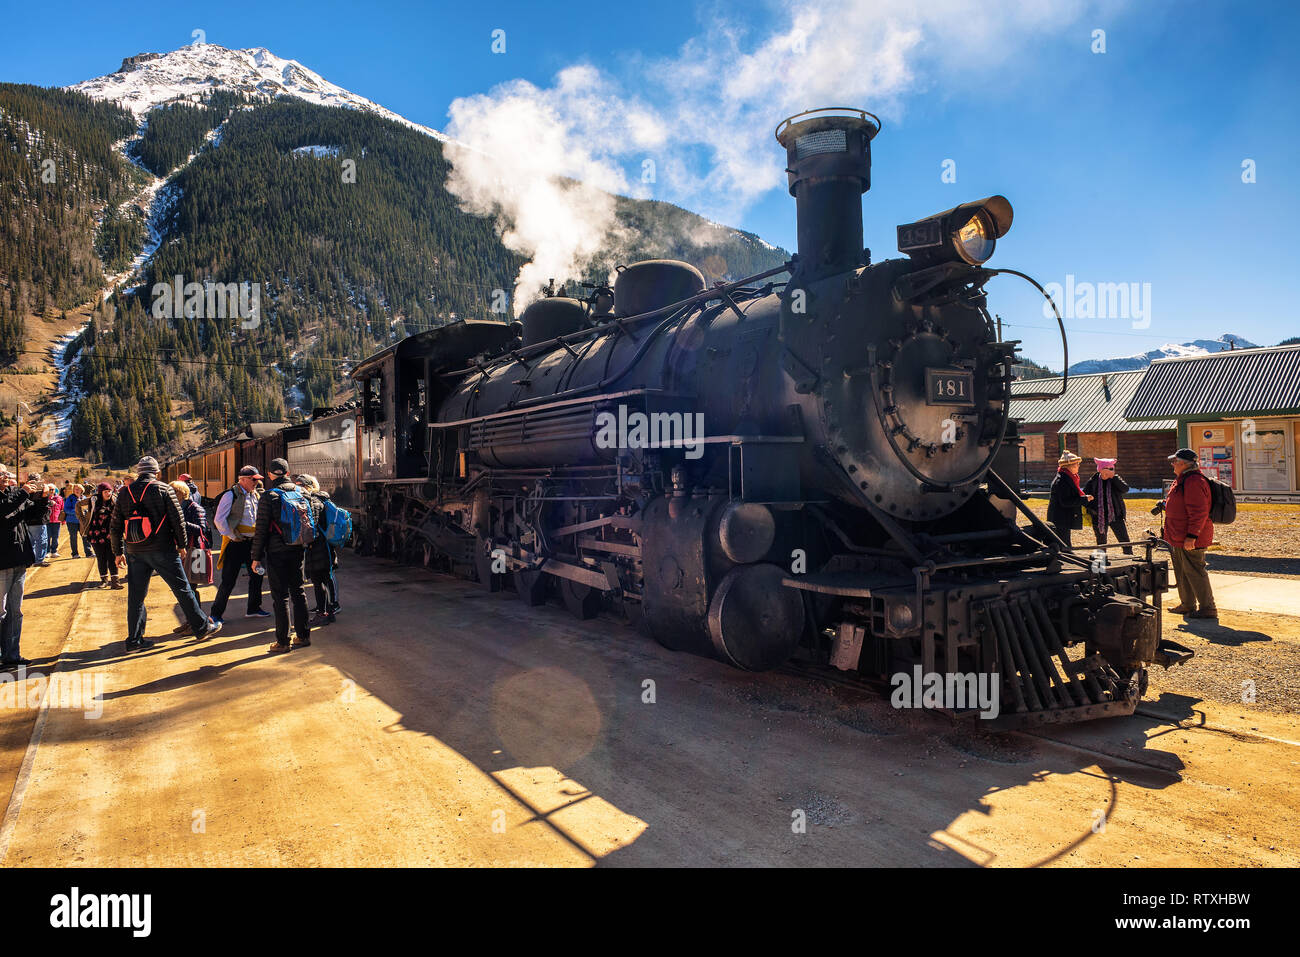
(1105,491)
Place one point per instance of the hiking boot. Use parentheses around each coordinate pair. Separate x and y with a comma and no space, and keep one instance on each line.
(1205,613)
(140,645)
(275,648)
(116,583)
(1182,610)
(300,643)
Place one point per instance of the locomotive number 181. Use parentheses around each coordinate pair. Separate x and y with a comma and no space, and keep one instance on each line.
(949,387)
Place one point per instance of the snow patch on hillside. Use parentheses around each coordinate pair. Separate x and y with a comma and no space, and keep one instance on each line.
(316,151)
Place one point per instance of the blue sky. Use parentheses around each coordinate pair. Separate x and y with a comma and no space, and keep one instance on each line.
(1123,166)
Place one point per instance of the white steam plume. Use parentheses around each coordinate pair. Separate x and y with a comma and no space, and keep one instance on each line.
(543,162)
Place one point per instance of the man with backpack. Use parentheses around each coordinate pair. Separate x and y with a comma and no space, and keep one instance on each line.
(149,535)
(236,520)
(1189,532)
(285,529)
(319,560)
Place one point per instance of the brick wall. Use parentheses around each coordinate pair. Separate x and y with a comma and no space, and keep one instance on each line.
(1040,471)
(1143,456)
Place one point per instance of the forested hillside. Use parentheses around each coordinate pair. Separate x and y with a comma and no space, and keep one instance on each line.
(338,216)
(58,171)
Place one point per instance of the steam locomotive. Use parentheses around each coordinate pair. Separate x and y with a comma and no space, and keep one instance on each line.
(812,462)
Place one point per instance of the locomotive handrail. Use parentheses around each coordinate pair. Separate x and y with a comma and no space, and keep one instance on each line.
(714,292)
(1065,346)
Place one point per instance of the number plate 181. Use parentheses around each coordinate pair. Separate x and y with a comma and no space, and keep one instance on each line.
(949,387)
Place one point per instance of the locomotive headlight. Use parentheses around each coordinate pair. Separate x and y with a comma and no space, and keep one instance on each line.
(974,242)
(966,233)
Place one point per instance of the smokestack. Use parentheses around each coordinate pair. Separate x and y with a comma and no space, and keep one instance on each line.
(828,159)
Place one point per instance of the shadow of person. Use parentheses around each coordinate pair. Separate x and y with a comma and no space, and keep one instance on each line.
(1217,634)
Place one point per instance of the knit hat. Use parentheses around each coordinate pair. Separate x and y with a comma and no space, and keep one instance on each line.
(1068,458)
(1105,463)
(104,487)
(147,464)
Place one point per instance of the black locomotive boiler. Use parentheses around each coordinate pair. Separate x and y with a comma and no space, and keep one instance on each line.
(812,461)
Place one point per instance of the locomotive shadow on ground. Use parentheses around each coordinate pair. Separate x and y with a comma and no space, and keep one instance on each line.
(722,762)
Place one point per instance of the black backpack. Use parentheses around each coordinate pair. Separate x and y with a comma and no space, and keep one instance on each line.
(1223,502)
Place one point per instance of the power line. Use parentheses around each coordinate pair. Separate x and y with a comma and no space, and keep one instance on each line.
(119,357)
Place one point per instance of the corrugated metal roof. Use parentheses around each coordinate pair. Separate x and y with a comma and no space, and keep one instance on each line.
(1092,403)
(1240,381)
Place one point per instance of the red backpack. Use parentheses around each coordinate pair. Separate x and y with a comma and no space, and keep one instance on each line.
(138,527)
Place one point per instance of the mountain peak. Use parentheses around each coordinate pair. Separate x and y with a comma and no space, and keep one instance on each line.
(1196,347)
(148,80)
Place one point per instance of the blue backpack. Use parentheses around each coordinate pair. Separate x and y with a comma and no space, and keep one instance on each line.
(336,523)
(295,525)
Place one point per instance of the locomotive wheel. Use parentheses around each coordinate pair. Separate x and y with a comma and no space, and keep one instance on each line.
(530,586)
(755,621)
(583,601)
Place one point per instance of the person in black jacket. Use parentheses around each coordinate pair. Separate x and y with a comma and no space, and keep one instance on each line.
(19,505)
(149,535)
(1105,491)
(99,533)
(1065,506)
(283,560)
(320,560)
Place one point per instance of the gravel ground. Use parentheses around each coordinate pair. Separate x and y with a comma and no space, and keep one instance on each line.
(1241,647)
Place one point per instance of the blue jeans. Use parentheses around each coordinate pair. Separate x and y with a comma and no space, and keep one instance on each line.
(53,529)
(40,540)
(12,581)
(140,567)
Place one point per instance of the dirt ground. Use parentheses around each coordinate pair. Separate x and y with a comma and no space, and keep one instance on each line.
(440,724)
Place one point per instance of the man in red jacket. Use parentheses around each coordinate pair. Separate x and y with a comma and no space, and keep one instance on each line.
(1189,531)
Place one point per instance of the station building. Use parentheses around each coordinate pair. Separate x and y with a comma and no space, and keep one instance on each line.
(1238,410)
(1089,420)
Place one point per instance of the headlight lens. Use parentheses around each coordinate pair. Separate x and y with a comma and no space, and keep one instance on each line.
(974,241)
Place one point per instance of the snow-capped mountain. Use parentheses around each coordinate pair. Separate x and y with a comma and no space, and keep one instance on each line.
(1197,347)
(147,80)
